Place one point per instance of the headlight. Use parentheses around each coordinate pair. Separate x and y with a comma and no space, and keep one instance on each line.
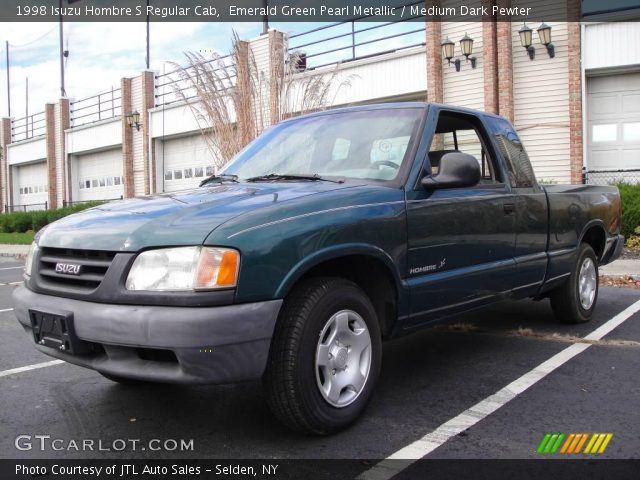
(28,264)
(184,268)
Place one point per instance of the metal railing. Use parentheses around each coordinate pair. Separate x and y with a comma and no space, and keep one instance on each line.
(97,107)
(30,126)
(611,177)
(66,203)
(173,87)
(354,39)
(26,207)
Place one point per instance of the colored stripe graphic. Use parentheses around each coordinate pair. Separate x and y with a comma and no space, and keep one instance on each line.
(573,443)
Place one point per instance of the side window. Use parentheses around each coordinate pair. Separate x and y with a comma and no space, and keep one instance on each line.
(518,165)
(462,133)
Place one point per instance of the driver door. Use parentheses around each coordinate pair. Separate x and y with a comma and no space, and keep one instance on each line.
(461,240)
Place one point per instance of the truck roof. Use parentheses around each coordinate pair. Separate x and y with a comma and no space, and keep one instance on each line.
(394,105)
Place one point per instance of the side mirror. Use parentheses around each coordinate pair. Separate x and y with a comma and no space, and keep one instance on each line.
(456,170)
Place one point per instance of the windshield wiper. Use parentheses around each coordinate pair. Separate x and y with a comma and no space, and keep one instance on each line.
(219,179)
(291,176)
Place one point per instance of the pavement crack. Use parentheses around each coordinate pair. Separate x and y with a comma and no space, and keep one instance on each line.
(529,333)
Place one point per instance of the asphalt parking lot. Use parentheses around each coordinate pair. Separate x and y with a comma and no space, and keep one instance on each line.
(427,379)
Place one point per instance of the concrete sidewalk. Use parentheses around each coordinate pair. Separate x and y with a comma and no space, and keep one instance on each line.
(14,250)
(623,267)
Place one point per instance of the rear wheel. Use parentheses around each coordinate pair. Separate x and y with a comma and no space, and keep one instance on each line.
(575,301)
(325,357)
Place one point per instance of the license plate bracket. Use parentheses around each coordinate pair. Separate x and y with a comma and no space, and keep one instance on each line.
(56,330)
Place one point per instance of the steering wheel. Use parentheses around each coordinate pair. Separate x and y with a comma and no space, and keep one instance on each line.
(385,163)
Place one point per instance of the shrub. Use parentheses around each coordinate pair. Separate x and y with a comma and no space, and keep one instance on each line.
(630,195)
(22,222)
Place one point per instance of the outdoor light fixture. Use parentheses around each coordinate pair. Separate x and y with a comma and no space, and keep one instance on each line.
(448,48)
(133,120)
(466,46)
(544,32)
(526,39)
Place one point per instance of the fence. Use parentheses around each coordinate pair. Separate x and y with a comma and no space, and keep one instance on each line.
(26,208)
(173,87)
(66,203)
(28,127)
(354,39)
(609,177)
(97,107)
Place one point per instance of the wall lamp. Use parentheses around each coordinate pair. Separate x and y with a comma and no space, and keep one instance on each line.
(133,120)
(544,32)
(466,46)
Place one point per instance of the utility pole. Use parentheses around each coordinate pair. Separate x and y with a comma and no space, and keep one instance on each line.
(265,17)
(63,92)
(6,44)
(148,37)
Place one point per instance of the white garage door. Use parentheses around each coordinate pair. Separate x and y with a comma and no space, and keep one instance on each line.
(613,109)
(100,175)
(187,161)
(32,185)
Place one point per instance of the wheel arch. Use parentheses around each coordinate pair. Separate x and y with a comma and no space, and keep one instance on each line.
(371,268)
(595,235)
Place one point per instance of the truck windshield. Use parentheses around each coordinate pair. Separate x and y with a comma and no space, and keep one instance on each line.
(367,145)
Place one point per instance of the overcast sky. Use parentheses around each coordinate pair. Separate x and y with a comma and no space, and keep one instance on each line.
(100,54)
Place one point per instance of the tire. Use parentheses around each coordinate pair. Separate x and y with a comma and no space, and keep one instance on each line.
(122,380)
(312,354)
(575,300)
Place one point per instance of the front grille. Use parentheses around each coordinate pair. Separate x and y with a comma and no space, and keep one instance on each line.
(93,267)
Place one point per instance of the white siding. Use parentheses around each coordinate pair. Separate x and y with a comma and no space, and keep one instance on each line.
(541,98)
(612,45)
(466,87)
(27,151)
(94,136)
(138,139)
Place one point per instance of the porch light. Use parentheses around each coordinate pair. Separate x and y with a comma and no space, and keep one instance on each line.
(544,32)
(466,46)
(133,120)
(526,39)
(448,48)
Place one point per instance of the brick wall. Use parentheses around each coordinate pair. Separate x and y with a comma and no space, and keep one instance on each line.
(127,140)
(434,57)
(576,144)
(50,119)
(5,139)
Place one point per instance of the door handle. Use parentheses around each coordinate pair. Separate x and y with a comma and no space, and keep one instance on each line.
(509,208)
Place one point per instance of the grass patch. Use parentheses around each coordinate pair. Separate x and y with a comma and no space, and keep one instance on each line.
(16,238)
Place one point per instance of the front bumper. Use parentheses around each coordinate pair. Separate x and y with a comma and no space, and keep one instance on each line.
(223,344)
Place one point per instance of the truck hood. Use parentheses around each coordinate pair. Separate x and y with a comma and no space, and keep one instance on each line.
(184,218)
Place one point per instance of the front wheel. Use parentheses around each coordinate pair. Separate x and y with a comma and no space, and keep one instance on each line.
(325,357)
(575,301)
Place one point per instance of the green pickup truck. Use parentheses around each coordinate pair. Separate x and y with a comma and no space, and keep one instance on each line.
(328,234)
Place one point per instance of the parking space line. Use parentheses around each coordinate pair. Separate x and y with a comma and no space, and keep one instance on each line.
(12,268)
(35,366)
(6,310)
(390,466)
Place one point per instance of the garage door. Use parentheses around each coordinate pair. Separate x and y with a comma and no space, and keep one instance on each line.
(32,185)
(613,110)
(187,161)
(100,175)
